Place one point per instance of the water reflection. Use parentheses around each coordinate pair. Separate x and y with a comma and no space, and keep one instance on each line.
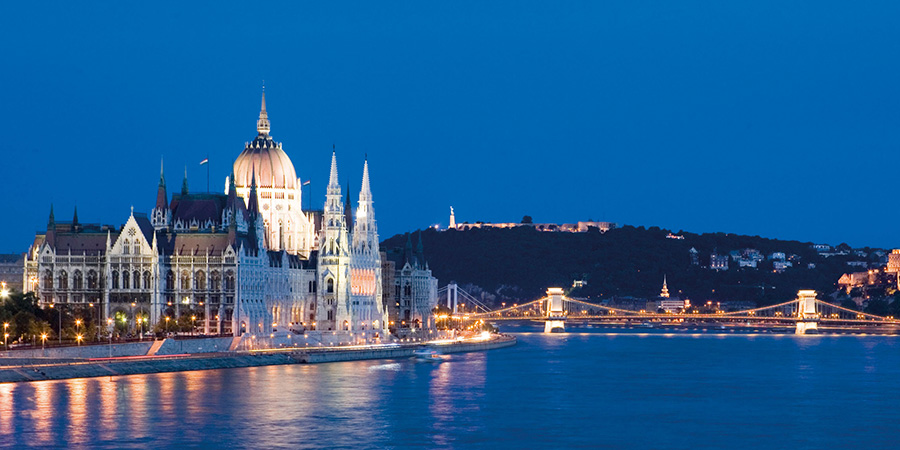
(750,389)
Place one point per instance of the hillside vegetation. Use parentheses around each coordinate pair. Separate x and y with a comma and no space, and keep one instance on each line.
(519,264)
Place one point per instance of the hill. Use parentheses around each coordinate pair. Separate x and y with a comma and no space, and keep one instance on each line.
(517,264)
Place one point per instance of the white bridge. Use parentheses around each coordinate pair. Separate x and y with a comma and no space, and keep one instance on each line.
(805,313)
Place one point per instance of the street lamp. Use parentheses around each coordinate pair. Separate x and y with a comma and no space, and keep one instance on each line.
(193,318)
(167,325)
(109,324)
(43,340)
(78,338)
(6,335)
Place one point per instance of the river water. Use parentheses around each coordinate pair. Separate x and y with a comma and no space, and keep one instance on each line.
(598,389)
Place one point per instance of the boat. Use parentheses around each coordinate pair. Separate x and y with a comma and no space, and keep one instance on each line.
(427,354)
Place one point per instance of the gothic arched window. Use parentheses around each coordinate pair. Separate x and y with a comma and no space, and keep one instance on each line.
(329,286)
(215,281)
(125,280)
(170,280)
(185,280)
(77,280)
(229,280)
(63,280)
(126,246)
(146,280)
(115,279)
(200,280)
(92,279)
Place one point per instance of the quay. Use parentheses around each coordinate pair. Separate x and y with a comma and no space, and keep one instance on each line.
(129,361)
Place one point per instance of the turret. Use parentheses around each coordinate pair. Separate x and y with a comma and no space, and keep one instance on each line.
(160,215)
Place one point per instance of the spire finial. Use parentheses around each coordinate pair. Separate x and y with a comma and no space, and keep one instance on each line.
(333,178)
(262,125)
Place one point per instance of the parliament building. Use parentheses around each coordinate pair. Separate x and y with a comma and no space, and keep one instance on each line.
(249,260)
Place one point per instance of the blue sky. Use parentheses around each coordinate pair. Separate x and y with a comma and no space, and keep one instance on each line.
(774,118)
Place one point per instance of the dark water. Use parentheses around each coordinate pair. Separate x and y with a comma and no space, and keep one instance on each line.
(590,390)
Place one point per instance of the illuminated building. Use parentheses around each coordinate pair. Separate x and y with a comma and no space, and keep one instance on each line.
(248,260)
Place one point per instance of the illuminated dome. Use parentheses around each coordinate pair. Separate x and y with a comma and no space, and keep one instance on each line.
(265,156)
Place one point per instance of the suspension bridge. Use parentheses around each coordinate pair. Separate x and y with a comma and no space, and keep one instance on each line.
(805,313)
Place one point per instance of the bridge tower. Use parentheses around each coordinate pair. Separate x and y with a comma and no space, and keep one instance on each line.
(808,318)
(556,317)
(452,297)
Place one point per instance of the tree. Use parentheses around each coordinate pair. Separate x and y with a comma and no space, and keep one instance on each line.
(527,219)
(878,307)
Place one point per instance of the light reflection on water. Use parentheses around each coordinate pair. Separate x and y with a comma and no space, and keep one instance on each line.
(621,390)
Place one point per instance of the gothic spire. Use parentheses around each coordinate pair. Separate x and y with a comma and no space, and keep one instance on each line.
(348,209)
(333,177)
(408,253)
(232,192)
(184,186)
(665,289)
(262,125)
(162,178)
(365,192)
(51,222)
(162,198)
(75,217)
(252,202)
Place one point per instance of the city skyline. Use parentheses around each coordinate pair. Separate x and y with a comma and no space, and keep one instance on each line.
(703,118)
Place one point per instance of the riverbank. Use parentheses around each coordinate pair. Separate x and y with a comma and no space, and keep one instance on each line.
(19,369)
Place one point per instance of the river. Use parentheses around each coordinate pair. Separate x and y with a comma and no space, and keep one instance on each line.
(602,388)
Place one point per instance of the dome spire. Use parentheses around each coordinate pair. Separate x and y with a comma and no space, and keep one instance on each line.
(262,125)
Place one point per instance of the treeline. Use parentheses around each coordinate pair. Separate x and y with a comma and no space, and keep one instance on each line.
(520,263)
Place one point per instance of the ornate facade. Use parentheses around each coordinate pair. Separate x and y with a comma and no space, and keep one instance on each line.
(249,260)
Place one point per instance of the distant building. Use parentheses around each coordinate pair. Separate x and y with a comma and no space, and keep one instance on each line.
(415,290)
(12,270)
(862,264)
(695,256)
(821,248)
(577,227)
(779,266)
(718,262)
(893,265)
(777,256)
(747,263)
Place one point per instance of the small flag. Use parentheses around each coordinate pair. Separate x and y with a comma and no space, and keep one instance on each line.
(305,183)
(205,160)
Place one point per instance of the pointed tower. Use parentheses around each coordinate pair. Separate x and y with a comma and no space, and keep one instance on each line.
(160,216)
(665,289)
(262,125)
(256,228)
(184,186)
(75,224)
(368,313)
(348,211)
(51,228)
(333,308)
(452,219)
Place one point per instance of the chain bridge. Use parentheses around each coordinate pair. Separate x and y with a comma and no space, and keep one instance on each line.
(805,314)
